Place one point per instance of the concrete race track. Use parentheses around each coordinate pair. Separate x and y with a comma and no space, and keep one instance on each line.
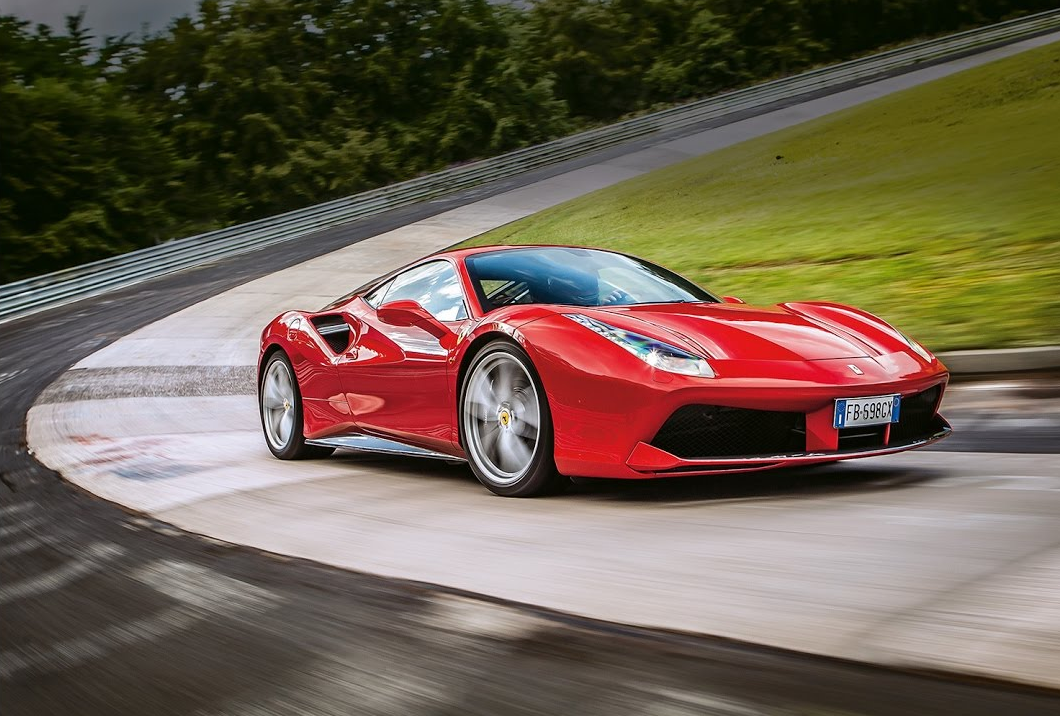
(939,561)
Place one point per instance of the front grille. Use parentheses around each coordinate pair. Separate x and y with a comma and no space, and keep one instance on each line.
(865,438)
(706,431)
(916,418)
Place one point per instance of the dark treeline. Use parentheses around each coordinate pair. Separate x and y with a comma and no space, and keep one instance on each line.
(254,107)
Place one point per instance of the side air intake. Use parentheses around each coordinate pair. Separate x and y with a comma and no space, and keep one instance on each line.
(334,330)
(705,431)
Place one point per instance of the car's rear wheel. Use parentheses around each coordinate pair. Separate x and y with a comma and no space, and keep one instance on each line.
(506,426)
(280,405)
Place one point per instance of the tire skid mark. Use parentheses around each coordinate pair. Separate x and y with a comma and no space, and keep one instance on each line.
(22,525)
(92,559)
(28,544)
(200,593)
(15,509)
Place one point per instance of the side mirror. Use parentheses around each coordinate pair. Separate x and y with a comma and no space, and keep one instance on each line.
(732,299)
(410,313)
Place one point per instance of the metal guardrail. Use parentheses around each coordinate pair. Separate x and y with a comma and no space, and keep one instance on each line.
(22,298)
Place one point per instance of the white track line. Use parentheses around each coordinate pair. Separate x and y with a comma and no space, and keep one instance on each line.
(91,560)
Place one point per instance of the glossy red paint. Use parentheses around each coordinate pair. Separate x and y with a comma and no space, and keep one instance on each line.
(400,378)
(397,381)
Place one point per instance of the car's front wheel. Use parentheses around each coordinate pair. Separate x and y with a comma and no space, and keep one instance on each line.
(280,404)
(506,426)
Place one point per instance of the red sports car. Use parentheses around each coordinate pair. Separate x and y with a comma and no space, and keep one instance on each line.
(536,363)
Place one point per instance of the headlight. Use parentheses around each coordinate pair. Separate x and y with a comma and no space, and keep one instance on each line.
(917,348)
(655,353)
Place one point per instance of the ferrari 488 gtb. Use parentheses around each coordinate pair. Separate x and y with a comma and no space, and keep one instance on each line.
(537,363)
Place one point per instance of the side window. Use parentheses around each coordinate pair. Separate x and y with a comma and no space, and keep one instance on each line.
(375,296)
(434,286)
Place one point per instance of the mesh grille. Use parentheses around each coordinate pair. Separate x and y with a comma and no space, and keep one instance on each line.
(863,438)
(916,419)
(705,431)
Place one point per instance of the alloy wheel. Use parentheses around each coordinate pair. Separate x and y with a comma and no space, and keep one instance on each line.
(502,418)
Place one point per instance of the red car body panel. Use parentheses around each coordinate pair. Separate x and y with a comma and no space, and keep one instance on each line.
(397,381)
(607,404)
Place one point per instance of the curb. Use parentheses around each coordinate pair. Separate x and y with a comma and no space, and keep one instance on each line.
(1006,360)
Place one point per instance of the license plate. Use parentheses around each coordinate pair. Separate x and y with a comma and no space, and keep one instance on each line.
(854,412)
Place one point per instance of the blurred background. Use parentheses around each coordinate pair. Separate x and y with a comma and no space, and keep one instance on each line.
(128,124)
(927,584)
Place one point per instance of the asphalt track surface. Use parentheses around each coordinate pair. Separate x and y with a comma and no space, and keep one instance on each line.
(177,624)
(173,623)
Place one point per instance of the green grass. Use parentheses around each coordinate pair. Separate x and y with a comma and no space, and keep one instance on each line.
(937,208)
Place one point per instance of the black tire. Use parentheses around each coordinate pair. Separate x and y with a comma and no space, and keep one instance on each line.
(288,442)
(510,429)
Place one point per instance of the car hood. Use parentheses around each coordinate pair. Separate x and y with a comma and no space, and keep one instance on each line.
(741,332)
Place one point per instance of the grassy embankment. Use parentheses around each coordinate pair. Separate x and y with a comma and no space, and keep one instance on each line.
(937,208)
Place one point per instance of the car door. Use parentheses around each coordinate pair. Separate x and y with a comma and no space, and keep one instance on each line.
(396,378)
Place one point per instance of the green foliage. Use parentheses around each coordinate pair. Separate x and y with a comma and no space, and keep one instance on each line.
(83,175)
(936,208)
(254,107)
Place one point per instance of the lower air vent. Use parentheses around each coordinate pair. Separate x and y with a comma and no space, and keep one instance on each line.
(334,330)
(917,418)
(866,438)
(704,431)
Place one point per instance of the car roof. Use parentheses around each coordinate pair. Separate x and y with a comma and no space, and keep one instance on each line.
(472,250)
(456,255)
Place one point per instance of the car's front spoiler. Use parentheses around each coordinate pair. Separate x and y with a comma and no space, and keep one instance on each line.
(649,460)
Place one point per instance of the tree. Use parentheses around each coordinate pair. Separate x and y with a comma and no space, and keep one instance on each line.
(254,107)
(82,174)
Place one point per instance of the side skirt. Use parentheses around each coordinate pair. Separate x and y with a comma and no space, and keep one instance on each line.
(370,443)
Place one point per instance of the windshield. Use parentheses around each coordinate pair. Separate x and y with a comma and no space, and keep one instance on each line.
(574,276)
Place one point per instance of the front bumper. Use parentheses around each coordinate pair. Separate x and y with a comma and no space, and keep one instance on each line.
(608,408)
(650,461)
